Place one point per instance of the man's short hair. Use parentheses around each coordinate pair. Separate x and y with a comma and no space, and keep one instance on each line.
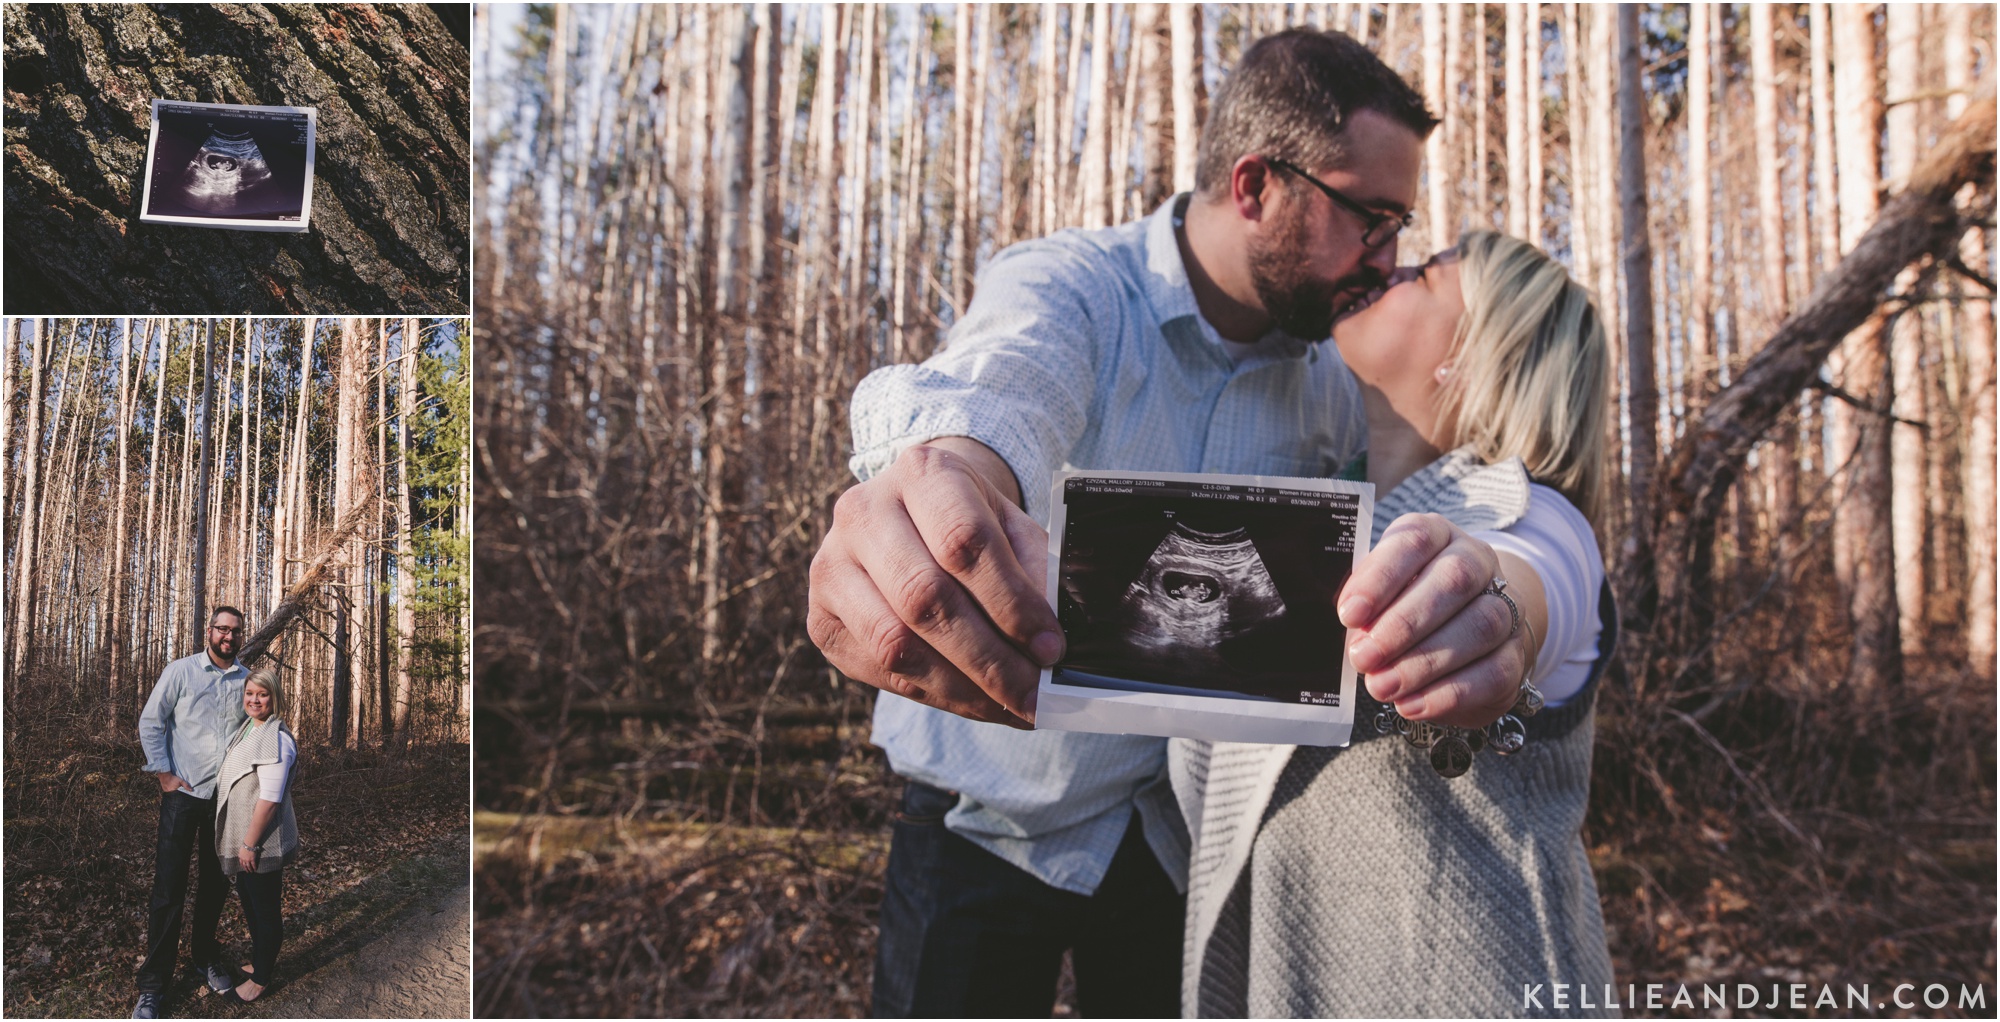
(1291,96)
(225,609)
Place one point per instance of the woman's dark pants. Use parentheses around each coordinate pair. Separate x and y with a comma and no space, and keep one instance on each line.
(259,894)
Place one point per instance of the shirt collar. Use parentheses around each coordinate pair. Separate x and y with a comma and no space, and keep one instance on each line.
(1172,297)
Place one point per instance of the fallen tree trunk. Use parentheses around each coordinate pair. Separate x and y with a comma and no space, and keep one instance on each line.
(391,210)
(1921,221)
(318,572)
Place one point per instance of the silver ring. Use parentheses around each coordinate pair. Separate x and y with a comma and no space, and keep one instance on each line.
(1498,587)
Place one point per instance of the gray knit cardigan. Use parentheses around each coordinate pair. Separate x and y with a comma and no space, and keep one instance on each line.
(236,784)
(1343,882)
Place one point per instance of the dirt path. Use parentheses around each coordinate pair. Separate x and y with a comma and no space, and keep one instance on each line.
(415,963)
(422,968)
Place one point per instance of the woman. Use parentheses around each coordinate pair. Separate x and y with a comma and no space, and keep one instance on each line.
(1362,880)
(255,832)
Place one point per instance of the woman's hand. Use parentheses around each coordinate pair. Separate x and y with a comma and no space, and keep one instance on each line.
(246,858)
(1424,635)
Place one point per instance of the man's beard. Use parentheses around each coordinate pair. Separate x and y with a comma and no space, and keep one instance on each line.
(1297,304)
(217,651)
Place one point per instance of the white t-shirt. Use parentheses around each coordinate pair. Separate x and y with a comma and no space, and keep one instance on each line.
(271,777)
(1555,537)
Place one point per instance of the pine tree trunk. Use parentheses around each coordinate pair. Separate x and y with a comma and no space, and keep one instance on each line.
(20,660)
(406,562)
(1907,453)
(1437,169)
(1576,125)
(1097,125)
(1517,120)
(1977,402)
(1155,83)
(1532,100)
(1863,516)
(114,629)
(1700,339)
(1781,459)
(391,193)
(1187,74)
(1644,397)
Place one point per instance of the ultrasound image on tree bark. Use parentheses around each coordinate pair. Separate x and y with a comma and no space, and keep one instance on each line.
(213,164)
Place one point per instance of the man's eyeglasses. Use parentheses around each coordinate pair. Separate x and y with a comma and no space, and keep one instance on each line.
(1378,228)
(221,629)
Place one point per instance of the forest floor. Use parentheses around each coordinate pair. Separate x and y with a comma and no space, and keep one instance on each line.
(695,871)
(375,909)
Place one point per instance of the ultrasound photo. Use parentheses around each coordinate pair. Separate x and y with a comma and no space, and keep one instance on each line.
(239,167)
(1210,592)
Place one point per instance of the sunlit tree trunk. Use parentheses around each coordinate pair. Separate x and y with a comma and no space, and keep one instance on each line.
(1156,81)
(1532,101)
(406,562)
(1187,75)
(1978,400)
(1907,454)
(1097,125)
(1863,519)
(1781,456)
(1438,172)
(20,660)
(1517,120)
(1482,88)
(1644,396)
(1701,268)
(114,682)
(1577,125)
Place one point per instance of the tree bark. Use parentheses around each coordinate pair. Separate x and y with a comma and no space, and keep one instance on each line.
(1097,124)
(1701,220)
(1516,130)
(1863,516)
(1187,75)
(21,658)
(1438,173)
(1781,459)
(1638,257)
(391,195)
(1978,390)
(1907,459)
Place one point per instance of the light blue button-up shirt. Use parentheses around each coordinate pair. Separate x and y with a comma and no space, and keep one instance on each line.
(189,716)
(1086,350)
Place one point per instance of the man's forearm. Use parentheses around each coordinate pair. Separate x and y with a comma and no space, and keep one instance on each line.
(990,466)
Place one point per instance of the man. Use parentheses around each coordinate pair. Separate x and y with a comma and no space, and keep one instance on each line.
(193,709)
(1184,342)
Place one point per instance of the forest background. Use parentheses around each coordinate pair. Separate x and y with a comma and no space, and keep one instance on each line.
(703,225)
(324,491)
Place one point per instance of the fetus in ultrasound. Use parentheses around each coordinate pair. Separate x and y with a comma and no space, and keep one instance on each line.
(1197,592)
(226,167)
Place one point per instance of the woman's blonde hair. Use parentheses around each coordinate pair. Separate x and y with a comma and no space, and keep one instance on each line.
(266,678)
(1530,368)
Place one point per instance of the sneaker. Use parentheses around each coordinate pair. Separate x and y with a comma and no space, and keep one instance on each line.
(149,1006)
(217,976)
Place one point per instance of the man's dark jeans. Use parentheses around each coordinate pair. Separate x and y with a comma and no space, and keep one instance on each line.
(187,830)
(965,933)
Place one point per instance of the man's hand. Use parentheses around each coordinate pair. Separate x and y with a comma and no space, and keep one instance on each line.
(170,782)
(1421,632)
(929,585)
